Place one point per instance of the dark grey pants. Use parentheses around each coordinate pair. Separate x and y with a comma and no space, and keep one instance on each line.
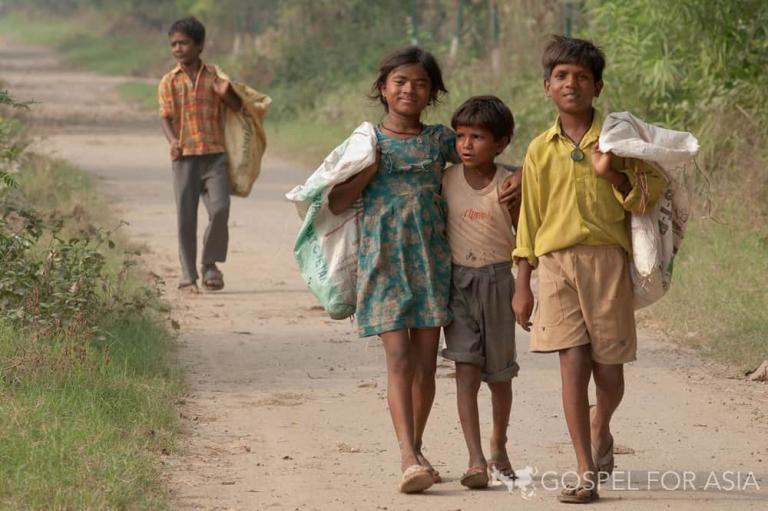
(193,177)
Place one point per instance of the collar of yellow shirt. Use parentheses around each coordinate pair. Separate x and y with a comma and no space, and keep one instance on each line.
(591,136)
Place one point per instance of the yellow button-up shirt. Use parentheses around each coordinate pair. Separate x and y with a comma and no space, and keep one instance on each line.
(564,203)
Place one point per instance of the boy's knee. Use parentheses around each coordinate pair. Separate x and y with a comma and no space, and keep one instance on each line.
(220,212)
(468,377)
(500,387)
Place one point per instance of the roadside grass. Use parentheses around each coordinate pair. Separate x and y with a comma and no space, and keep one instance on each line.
(718,302)
(141,94)
(87,418)
(90,43)
(86,435)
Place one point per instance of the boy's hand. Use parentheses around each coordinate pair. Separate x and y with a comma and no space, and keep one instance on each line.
(221,87)
(522,306)
(601,162)
(510,190)
(175,150)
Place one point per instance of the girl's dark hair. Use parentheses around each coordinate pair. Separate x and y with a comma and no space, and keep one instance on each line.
(487,112)
(569,50)
(403,57)
(191,27)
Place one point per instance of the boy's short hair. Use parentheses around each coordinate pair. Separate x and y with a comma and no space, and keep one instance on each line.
(189,26)
(403,57)
(487,112)
(569,50)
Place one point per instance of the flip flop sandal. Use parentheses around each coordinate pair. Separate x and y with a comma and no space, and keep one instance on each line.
(605,462)
(213,279)
(503,469)
(432,470)
(188,288)
(578,495)
(415,479)
(475,478)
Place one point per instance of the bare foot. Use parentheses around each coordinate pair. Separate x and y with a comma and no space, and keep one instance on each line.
(499,461)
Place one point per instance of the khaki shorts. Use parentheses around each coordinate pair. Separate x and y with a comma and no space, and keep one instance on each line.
(585,297)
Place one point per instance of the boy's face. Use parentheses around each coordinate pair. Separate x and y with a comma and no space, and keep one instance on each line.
(572,87)
(478,147)
(407,90)
(184,49)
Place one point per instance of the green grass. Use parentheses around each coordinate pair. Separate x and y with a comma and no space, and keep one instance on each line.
(86,435)
(141,94)
(718,301)
(85,422)
(89,43)
(39,31)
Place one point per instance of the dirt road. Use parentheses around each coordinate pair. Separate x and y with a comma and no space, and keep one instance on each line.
(286,409)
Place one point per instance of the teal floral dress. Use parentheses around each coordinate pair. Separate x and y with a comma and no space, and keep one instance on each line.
(404,262)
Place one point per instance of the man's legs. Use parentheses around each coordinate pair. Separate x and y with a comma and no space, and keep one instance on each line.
(186,189)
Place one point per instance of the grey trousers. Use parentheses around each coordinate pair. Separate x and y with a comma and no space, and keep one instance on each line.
(193,177)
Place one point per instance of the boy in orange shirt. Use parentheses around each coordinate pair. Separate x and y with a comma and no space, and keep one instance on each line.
(191,98)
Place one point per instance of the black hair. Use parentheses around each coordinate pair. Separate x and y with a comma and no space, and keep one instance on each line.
(487,112)
(569,50)
(403,57)
(189,26)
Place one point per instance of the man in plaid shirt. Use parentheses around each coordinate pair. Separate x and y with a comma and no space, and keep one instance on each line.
(191,96)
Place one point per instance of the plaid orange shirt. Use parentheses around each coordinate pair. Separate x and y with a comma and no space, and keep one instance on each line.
(194,109)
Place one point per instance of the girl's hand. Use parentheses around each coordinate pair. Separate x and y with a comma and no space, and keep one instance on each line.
(522,306)
(601,162)
(343,195)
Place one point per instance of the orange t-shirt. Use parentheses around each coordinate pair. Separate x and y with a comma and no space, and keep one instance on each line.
(480,230)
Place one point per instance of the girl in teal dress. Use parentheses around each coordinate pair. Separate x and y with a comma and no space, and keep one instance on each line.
(404,262)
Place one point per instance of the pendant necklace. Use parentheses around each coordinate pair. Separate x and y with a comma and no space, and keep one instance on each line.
(577,154)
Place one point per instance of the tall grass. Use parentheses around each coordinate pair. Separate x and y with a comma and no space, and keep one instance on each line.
(86,388)
(86,435)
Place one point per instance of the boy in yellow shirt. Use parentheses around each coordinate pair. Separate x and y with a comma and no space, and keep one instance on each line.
(574,228)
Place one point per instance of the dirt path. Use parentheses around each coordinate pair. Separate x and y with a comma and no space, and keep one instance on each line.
(286,409)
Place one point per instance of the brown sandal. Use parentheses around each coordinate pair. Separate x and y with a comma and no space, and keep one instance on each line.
(188,288)
(578,495)
(213,279)
(475,478)
(432,470)
(415,479)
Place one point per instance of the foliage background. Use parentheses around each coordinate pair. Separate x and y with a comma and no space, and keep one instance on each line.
(689,64)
